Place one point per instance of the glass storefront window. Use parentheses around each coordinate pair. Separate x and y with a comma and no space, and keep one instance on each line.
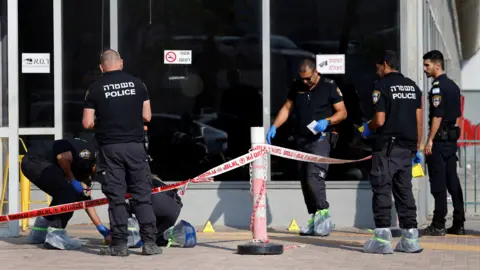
(35,35)
(202,112)
(358,29)
(83,42)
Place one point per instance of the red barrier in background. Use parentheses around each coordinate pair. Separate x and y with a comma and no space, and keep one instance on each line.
(467,128)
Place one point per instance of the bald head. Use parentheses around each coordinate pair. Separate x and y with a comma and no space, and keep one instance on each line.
(110,60)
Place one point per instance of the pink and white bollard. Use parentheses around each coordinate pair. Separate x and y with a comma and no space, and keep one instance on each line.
(260,245)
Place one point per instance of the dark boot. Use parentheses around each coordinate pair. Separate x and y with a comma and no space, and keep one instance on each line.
(121,251)
(457,228)
(151,248)
(161,242)
(433,231)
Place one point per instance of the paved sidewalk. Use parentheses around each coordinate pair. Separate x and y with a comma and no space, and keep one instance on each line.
(341,250)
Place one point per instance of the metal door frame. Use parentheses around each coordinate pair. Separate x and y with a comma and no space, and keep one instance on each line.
(11,131)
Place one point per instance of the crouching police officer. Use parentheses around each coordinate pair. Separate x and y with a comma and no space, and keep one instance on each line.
(166,206)
(319,106)
(441,147)
(397,103)
(121,105)
(62,169)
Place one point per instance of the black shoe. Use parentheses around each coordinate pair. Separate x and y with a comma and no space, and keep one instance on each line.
(151,249)
(161,242)
(432,231)
(121,251)
(457,229)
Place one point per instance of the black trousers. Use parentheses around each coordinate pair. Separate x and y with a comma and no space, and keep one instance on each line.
(389,175)
(312,175)
(50,178)
(443,177)
(166,209)
(124,168)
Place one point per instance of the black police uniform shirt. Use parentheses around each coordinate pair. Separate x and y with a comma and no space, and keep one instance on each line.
(83,154)
(315,104)
(117,98)
(444,99)
(399,98)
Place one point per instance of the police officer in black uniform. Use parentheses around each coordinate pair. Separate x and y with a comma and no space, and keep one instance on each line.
(441,147)
(63,170)
(397,103)
(166,206)
(313,98)
(121,105)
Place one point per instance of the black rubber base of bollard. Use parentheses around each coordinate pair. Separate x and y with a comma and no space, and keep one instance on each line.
(260,249)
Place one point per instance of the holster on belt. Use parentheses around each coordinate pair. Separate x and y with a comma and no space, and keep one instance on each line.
(333,139)
(448,132)
(146,143)
(390,144)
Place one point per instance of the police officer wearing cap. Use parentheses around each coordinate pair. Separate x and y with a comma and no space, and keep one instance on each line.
(118,105)
(441,146)
(318,107)
(62,169)
(397,123)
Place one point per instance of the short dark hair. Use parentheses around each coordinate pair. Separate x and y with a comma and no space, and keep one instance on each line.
(389,57)
(306,64)
(435,56)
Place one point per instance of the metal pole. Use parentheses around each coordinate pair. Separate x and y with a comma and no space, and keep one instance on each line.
(13,96)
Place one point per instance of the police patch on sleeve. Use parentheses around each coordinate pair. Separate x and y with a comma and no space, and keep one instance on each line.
(339,92)
(375,96)
(85,154)
(436,100)
(436,90)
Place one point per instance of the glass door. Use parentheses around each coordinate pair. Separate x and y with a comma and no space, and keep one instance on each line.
(82,42)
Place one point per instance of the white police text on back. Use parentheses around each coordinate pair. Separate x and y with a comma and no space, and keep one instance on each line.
(119,89)
(403,92)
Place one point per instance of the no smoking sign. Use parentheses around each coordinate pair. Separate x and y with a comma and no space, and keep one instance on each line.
(170,57)
(177,57)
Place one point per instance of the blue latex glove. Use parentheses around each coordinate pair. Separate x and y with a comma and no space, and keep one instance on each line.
(271,133)
(366,131)
(77,186)
(321,125)
(417,159)
(103,230)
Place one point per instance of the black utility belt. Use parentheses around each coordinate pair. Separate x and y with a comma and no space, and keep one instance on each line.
(448,133)
(389,143)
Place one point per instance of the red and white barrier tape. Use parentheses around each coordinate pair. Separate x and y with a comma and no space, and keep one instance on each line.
(257,152)
(301,156)
(69,207)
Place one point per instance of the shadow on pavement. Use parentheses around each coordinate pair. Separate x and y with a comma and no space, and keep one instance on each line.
(89,245)
(321,242)
(210,245)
